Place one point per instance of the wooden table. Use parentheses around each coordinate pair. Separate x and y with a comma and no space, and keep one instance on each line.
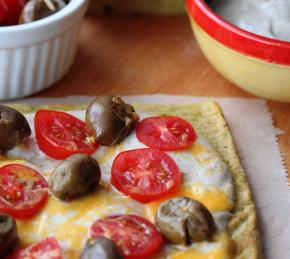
(147,55)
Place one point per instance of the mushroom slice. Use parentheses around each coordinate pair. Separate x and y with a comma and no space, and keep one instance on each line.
(74,177)
(37,9)
(109,120)
(101,248)
(14,128)
(8,234)
(183,220)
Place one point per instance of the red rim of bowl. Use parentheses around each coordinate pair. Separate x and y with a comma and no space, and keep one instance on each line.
(270,50)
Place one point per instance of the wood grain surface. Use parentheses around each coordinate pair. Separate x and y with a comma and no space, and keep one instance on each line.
(147,55)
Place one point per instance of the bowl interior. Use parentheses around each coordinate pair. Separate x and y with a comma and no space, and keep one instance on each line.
(270,50)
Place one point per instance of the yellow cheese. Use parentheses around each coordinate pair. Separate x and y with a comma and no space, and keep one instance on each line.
(109,154)
(70,221)
(224,249)
(8,161)
(213,198)
(205,156)
(197,149)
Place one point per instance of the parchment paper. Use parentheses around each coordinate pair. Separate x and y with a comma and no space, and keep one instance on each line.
(255,138)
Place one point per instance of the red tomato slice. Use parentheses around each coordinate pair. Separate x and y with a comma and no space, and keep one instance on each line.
(10,11)
(60,135)
(48,248)
(167,133)
(136,237)
(23,191)
(145,174)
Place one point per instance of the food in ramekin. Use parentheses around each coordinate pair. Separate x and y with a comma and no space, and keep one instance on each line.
(13,12)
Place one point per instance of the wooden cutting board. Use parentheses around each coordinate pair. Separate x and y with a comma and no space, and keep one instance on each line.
(146,55)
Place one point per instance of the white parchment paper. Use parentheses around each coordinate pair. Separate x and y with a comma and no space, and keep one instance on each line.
(255,138)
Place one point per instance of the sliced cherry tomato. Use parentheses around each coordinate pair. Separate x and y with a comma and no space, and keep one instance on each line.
(145,174)
(60,135)
(135,236)
(10,11)
(23,191)
(48,248)
(167,133)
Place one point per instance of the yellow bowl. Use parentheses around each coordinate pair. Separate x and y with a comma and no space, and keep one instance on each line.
(257,64)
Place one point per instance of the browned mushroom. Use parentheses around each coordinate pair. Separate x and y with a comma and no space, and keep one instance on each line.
(101,248)
(38,9)
(74,177)
(109,120)
(8,234)
(14,128)
(183,220)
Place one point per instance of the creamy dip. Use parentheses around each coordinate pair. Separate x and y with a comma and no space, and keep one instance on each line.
(269,18)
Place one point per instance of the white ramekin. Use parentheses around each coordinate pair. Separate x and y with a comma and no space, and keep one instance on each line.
(34,56)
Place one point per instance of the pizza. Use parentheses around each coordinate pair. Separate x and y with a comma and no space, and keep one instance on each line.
(115,180)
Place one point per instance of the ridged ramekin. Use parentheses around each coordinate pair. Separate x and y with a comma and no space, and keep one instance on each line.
(257,64)
(34,56)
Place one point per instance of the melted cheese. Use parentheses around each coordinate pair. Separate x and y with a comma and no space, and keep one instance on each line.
(69,222)
(205,178)
(223,248)
(111,151)
(9,161)
(197,149)
(213,198)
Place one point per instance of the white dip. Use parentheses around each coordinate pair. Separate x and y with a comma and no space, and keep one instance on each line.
(269,18)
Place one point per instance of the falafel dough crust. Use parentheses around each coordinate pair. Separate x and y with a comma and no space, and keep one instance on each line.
(208,120)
